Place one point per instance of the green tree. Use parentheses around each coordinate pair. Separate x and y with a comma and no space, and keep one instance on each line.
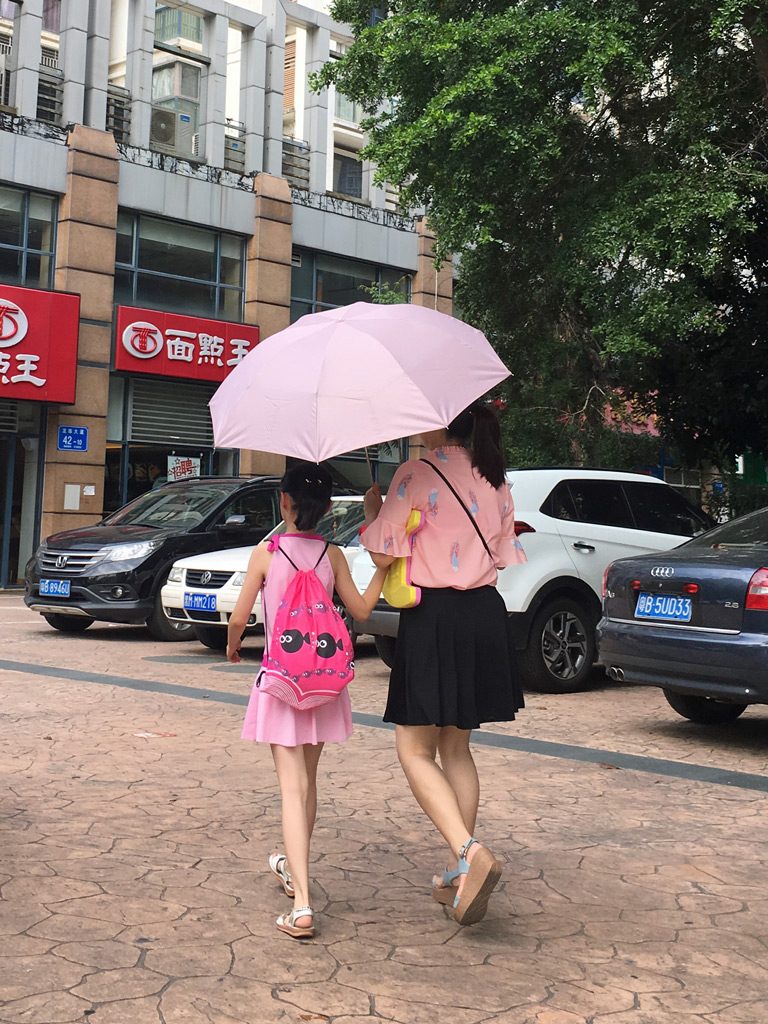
(601,167)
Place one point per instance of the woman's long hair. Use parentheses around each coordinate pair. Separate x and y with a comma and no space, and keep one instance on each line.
(478,430)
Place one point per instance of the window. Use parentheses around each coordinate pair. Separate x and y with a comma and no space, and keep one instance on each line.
(326,282)
(347,175)
(256,507)
(173,23)
(747,532)
(662,510)
(167,265)
(347,109)
(27,237)
(600,502)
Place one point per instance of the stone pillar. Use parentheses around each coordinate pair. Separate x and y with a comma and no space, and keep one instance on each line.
(216,28)
(25,57)
(97,64)
(85,259)
(138,68)
(316,111)
(72,57)
(275,84)
(253,50)
(431,287)
(268,283)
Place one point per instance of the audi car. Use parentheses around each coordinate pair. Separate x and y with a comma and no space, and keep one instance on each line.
(694,621)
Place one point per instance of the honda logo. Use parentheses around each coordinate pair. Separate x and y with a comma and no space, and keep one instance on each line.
(662,571)
(205,578)
(61,561)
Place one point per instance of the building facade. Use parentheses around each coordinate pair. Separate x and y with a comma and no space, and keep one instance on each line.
(171,192)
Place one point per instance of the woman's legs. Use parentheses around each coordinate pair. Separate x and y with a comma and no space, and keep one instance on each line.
(459,769)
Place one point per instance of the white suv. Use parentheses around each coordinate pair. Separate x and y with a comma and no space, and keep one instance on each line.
(572,524)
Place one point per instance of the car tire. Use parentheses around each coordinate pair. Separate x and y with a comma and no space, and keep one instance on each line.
(214,637)
(704,710)
(162,628)
(69,623)
(561,648)
(385,648)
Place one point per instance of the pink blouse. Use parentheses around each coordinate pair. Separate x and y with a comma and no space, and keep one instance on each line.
(447,551)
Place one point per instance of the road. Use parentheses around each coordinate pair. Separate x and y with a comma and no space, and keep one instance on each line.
(135,825)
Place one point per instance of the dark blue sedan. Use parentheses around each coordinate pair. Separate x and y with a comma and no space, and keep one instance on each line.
(694,621)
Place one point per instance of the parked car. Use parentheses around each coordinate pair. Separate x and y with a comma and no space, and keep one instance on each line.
(204,589)
(694,622)
(572,523)
(114,571)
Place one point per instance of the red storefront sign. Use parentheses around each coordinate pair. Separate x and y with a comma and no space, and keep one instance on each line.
(171,345)
(38,344)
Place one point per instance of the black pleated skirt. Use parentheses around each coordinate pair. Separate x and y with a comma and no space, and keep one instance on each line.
(454,663)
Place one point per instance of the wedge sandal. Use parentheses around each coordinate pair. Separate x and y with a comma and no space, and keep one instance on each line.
(444,891)
(278,865)
(482,877)
(287,923)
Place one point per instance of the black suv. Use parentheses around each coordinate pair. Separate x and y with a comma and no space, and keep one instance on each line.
(114,571)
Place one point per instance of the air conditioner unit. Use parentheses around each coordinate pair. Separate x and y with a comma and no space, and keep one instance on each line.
(186,134)
(162,132)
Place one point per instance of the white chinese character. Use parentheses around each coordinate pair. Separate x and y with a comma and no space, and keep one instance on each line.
(211,349)
(5,366)
(178,349)
(26,364)
(240,348)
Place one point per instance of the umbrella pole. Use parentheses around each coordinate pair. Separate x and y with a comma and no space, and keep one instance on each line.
(370,464)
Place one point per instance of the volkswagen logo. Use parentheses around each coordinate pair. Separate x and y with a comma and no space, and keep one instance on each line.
(61,561)
(662,571)
(205,578)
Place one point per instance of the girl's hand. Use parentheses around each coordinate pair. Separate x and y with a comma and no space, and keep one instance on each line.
(372,503)
(233,652)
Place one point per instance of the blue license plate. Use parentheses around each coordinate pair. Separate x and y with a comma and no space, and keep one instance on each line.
(55,588)
(199,602)
(664,608)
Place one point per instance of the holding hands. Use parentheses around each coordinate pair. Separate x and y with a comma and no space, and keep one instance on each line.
(372,503)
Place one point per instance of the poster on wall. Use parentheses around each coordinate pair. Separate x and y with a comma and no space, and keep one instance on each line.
(182,467)
(38,344)
(171,345)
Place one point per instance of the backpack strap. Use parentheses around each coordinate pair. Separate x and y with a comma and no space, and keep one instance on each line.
(460,500)
(285,553)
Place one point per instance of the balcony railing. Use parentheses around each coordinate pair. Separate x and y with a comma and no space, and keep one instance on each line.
(119,113)
(296,162)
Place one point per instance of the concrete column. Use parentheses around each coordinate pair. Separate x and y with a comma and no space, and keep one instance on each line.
(275,85)
(97,64)
(253,55)
(268,283)
(431,287)
(73,47)
(316,111)
(85,258)
(214,90)
(25,57)
(138,72)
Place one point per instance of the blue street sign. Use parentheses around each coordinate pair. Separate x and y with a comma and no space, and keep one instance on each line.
(73,439)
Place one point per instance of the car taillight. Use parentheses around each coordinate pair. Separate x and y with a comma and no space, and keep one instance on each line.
(521,528)
(635,585)
(605,578)
(757,591)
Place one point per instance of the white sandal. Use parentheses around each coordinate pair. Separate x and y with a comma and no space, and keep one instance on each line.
(287,923)
(278,865)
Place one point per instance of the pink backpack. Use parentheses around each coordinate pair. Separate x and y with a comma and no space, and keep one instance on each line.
(309,659)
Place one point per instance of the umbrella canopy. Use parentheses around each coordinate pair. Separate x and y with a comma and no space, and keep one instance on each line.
(355,376)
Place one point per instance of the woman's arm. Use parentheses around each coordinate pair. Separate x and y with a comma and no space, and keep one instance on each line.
(358,605)
(254,580)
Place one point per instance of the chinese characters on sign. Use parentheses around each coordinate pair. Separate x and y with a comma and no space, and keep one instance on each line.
(38,344)
(167,345)
(73,439)
(182,467)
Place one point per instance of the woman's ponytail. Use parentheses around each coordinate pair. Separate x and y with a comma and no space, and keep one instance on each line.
(478,430)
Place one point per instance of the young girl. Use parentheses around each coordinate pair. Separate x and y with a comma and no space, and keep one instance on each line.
(297,736)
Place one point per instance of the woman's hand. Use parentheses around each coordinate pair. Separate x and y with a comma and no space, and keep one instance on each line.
(233,651)
(372,503)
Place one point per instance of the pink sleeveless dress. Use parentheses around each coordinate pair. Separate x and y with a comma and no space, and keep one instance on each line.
(268,719)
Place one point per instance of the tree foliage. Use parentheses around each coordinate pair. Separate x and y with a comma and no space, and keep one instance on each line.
(601,167)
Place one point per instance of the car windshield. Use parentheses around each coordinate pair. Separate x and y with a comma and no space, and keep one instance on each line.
(341,524)
(747,532)
(171,507)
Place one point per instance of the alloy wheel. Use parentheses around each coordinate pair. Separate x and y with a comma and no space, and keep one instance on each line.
(564,645)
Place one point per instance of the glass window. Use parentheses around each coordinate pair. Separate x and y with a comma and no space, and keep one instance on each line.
(256,507)
(325,282)
(600,502)
(171,507)
(11,216)
(347,175)
(27,237)
(559,504)
(748,532)
(660,509)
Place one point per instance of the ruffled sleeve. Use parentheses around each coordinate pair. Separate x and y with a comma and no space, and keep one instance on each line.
(386,534)
(510,549)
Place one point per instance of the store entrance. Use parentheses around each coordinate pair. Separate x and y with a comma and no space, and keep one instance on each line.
(18,468)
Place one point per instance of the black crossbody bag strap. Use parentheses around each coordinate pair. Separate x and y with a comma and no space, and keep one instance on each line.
(460,500)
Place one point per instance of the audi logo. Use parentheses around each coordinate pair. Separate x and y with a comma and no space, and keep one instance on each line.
(61,561)
(662,571)
(205,578)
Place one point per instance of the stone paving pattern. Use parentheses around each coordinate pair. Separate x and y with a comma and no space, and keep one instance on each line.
(134,888)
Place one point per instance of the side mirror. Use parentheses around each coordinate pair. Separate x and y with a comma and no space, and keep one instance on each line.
(234,522)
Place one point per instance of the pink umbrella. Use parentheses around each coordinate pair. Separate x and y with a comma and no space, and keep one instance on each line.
(350,377)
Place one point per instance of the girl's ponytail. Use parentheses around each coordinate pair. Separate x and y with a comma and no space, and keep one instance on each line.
(478,430)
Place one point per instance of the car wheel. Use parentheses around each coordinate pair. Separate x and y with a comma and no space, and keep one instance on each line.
(385,648)
(561,648)
(162,628)
(69,623)
(214,637)
(704,710)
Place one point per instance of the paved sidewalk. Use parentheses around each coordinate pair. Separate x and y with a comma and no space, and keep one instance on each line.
(134,829)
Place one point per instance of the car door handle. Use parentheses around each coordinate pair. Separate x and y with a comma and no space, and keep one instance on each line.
(581,546)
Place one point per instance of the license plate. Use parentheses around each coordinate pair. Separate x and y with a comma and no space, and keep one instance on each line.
(55,588)
(199,602)
(664,608)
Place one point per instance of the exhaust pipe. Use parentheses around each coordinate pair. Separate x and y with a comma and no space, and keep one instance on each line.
(616,674)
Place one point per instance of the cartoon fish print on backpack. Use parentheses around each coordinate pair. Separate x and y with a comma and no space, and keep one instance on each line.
(327,645)
(293,640)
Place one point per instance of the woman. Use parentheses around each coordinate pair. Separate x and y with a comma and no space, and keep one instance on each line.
(453,667)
